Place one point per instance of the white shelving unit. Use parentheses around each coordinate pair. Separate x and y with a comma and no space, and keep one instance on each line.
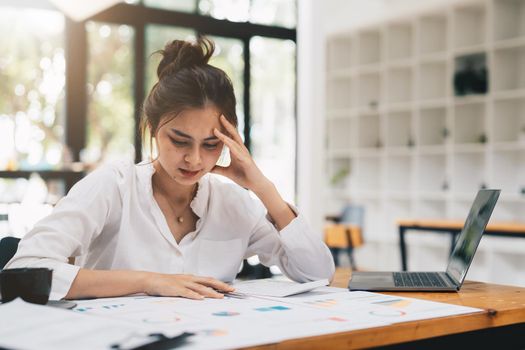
(408,145)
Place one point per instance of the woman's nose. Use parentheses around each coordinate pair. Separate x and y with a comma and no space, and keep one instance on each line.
(193,156)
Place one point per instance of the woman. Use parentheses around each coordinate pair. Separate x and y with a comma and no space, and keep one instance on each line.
(159,227)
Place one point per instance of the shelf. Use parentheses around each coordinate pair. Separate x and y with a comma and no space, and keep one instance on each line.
(341,134)
(339,174)
(432,128)
(435,149)
(399,39)
(469,124)
(509,19)
(437,103)
(469,148)
(508,171)
(339,114)
(509,146)
(510,43)
(468,172)
(340,54)
(431,175)
(399,170)
(399,129)
(398,206)
(509,69)
(400,84)
(505,95)
(508,211)
(369,47)
(368,134)
(470,99)
(370,90)
(430,208)
(368,174)
(433,80)
(470,25)
(508,124)
(340,93)
(433,34)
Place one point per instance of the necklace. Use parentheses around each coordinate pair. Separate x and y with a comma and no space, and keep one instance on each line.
(180,218)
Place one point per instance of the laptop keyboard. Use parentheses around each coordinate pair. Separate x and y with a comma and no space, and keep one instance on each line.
(418,279)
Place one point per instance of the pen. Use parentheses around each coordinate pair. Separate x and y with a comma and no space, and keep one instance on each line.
(235,295)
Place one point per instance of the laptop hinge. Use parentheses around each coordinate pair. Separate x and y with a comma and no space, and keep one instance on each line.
(451,280)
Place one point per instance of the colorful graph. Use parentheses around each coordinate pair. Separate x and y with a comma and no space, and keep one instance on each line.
(322,302)
(272,308)
(398,303)
(83,309)
(113,306)
(337,319)
(226,313)
(387,313)
(214,332)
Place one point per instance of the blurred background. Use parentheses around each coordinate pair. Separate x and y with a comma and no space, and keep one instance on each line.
(365,113)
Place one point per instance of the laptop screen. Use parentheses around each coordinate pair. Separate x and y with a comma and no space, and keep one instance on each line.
(470,236)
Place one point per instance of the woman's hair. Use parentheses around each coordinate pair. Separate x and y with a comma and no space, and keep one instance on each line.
(186,81)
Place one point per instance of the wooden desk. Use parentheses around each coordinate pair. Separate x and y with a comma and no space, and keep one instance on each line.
(502,323)
(453,228)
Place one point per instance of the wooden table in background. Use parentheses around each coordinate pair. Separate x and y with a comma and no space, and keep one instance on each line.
(453,228)
(501,324)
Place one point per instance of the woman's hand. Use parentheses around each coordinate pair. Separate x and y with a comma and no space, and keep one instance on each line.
(187,286)
(242,169)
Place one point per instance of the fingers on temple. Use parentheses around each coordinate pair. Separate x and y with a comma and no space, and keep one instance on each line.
(231,129)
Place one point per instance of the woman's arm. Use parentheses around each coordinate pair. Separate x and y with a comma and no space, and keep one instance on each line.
(112,283)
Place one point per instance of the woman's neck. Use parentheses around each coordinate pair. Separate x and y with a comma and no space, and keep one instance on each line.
(169,188)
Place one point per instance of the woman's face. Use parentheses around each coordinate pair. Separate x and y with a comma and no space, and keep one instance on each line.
(187,147)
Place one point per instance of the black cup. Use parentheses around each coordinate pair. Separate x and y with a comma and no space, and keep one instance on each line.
(31,284)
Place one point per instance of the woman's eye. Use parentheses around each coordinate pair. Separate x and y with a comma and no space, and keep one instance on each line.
(210,145)
(178,143)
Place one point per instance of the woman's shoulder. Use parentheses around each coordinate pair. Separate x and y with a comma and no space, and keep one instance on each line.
(107,176)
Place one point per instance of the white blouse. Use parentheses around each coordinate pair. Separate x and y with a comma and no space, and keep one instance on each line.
(110,220)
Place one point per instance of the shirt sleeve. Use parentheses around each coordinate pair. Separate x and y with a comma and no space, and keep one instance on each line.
(68,231)
(300,254)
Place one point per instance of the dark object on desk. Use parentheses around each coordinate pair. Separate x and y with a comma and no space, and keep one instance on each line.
(31,284)
(470,75)
(8,248)
(160,342)
(458,263)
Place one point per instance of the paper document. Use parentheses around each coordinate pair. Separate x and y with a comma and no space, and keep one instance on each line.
(276,288)
(31,326)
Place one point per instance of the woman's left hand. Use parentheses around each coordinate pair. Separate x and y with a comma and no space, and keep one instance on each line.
(242,169)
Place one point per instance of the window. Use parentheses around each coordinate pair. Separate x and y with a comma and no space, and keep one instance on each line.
(228,56)
(110,121)
(32,72)
(273,127)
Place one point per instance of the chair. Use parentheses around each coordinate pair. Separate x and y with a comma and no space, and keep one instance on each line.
(345,232)
(8,247)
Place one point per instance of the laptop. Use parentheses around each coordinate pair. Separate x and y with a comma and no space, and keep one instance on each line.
(458,263)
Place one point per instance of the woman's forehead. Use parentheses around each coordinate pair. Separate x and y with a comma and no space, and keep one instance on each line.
(198,122)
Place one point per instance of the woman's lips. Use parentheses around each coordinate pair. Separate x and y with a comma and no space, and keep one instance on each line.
(188,173)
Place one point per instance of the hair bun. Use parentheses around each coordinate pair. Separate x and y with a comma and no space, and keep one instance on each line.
(180,54)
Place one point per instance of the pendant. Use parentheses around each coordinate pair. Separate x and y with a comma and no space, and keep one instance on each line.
(180,219)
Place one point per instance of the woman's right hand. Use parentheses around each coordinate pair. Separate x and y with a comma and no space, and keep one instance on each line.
(186,286)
